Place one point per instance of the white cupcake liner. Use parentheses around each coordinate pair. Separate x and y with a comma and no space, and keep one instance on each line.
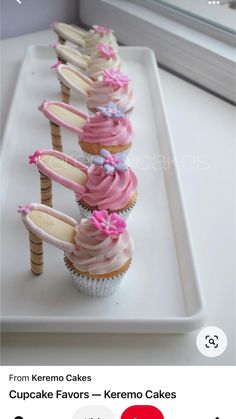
(94,287)
(90,157)
(86,212)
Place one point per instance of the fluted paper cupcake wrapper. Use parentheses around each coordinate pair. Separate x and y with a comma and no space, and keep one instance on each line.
(86,212)
(94,287)
(90,157)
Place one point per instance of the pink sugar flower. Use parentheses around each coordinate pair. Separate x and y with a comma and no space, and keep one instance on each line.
(115,78)
(25,209)
(110,224)
(106,51)
(101,29)
(33,158)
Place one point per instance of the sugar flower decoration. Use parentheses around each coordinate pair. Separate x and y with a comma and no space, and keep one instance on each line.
(101,29)
(56,64)
(106,51)
(25,209)
(33,158)
(115,78)
(112,110)
(110,224)
(110,162)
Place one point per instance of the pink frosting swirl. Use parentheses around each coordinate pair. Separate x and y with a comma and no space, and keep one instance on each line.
(106,131)
(96,252)
(102,93)
(108,191)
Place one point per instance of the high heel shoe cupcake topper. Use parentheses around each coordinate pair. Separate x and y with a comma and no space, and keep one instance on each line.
(112,86)
(87,40)
(74,80)
(92,66)
(70,33)
(72,55)
(108,129)
(108,184)
(98,250)
(63,115)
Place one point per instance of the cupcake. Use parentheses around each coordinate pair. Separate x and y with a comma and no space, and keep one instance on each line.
(98,250)
(111,86)
(109,184)
(102,255)
(108,129)
(114,86)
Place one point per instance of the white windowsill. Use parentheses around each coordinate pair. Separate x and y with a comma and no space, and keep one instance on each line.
(200,53)
(220,15)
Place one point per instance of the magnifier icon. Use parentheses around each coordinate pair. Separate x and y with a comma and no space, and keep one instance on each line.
(211,341)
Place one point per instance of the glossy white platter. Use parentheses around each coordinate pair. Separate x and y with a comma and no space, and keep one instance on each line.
(161,292)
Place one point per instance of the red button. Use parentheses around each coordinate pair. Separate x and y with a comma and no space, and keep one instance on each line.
(142,412)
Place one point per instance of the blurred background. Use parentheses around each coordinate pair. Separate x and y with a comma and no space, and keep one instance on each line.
(35,15)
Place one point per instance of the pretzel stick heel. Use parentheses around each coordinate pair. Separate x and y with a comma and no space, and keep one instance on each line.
(61,40)
(65,93)
(61,60)
(46,190)
(36,254)
(56,137)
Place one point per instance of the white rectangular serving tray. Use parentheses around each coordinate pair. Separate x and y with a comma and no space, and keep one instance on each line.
(160,293)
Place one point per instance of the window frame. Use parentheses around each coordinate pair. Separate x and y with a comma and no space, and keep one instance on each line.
(184,45)
(213,15)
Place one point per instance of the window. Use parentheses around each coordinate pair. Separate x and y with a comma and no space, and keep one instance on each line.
(192,47)
(220,13)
